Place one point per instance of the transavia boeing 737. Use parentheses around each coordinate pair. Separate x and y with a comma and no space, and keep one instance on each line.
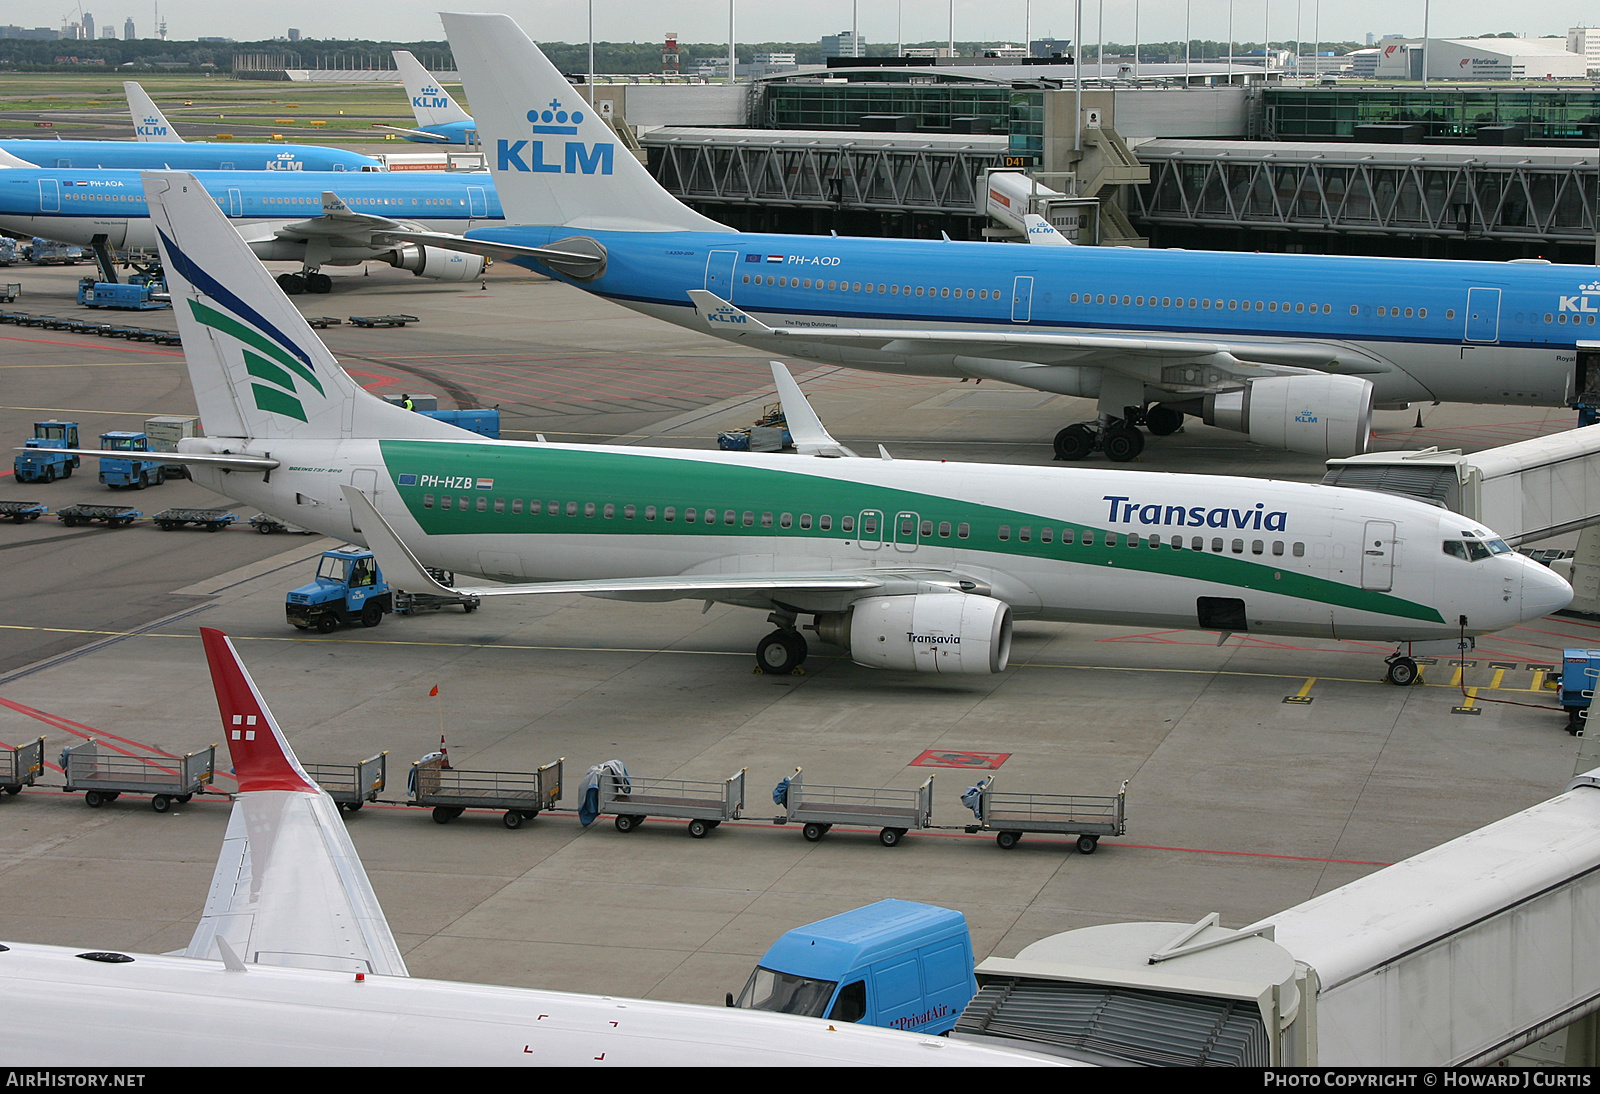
(1293,350)
(284,216)
(293,963)
(909,565)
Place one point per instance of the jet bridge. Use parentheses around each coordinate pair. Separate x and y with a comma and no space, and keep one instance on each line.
(1459,956)
(1527,491)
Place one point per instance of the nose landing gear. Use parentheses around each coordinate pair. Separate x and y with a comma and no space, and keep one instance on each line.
(1403,671)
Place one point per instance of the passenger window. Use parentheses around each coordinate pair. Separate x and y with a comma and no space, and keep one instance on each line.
(766,520)
(1025,534)
(669,513)
(1257,547)
(1197,544)
(1155,541)
(588,509)
(628,512)
(1067,535)
(572,508)
(688,515)
(462,504)
(1133,539)
(609,512)
(728,516)
(427,501)
(851,1006)
(1111,539)
(805,520)
(1216,544)
(1299,550)
(649,512)
(1277,546)
(483,505)
(748,520)
(1238,546)
(944,529)
(927,528)
(1005,531)
(1044,535)
(516,505)
(499,505)
(786,520)
(1088,539)
(533,508)
(963,530)
(846,524)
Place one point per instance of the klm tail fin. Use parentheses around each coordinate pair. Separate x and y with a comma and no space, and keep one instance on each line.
(555,162)
(149,124)
(430,102)
(258,369)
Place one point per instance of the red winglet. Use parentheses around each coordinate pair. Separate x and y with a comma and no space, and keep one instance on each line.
(262,759)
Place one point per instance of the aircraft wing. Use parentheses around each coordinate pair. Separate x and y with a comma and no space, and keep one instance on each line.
(421,134)
(226,461)
(814,591)
(1179,364)
(337,220)
(289,889)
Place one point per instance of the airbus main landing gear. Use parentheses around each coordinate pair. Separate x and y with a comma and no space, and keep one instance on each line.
(1119,439)
(1402,672)
(293,284)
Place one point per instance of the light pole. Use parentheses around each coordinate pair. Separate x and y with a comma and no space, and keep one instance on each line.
(1425,13)
(591,51)
(733,63)
(1230,43)
(1186,39)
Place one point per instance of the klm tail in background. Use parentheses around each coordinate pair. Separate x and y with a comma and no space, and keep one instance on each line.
(555,162)
(149,124)
(430,102)
(258,369)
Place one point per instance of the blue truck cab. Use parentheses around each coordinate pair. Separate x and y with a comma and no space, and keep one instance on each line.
(895,963)
(1580,669)
(43,462)
(349,588)
(135,471)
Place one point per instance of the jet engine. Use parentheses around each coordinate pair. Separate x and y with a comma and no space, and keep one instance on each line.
(436,262)
(924,632)
(1321,414)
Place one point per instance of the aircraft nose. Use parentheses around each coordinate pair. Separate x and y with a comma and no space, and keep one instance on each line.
(1543,591)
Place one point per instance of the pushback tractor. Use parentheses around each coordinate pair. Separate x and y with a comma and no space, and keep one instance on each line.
(349,588)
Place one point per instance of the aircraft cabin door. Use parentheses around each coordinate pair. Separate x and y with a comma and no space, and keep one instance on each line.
(1483,315)
(1022,299)
(870,535)
(49,196)
(905,531)
(235,204)
(719,273)
(365,480)
(1377,556)
(477,202)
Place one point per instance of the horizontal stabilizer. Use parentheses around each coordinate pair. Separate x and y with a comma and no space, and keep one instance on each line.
(227,461)
(578,257)
(810,437)
(415,134)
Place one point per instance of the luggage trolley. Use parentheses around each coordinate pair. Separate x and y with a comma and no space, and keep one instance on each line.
(704,804)
(352,785)
(105,776)
(20,766)
(1086,816)
(451,791)
(819,808)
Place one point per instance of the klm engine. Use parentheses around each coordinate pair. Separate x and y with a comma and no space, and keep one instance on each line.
(1320,414)
(924,632)
(437,263)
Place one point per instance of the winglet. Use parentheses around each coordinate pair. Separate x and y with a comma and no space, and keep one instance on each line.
(723,317)
(1041,230)
(811,438)
(333,204)
(400,567)
(149,124)
(262,758)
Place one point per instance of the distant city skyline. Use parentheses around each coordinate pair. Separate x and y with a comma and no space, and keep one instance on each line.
(764,21)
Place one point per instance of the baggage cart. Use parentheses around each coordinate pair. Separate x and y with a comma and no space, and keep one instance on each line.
(212,520)
(450,791)
(370,321)
(21,766)
(104,775)
(819,808)
(1086,816)
(270,525)
(114,516)
(18,511)
(703,804)
(10,292)
(322,322)
(410,603)
(352,785)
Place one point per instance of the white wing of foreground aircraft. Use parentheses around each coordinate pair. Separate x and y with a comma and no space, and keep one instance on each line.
(293,964)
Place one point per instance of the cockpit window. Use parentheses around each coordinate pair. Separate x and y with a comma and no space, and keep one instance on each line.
(1474,549)
(1456,549)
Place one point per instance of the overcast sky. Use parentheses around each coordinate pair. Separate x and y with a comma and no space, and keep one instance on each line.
(771,20)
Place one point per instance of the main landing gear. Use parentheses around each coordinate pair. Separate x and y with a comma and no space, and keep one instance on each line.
(1119,438)
(293,284)
(784,650)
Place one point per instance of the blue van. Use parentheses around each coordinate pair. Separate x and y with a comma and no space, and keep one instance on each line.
(895,963)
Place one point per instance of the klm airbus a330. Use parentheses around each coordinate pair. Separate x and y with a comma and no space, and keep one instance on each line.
(909,565)
(284,216)
(1293,350)
(439,119)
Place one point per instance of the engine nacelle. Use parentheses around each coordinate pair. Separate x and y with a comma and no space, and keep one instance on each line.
(924,632)
(437,262)
(1321,414)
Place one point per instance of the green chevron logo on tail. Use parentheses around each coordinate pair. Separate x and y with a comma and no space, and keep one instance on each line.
(283,396)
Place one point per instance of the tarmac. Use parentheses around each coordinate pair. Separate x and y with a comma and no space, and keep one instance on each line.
(1238,801)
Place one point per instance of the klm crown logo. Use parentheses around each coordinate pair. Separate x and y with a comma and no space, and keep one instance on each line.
(431,98)
(151,127)
(577,157)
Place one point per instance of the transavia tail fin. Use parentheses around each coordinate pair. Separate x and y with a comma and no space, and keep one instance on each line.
(149,124)
(258,370)
(289,888)
(430,102)
(555,162)
(1041,230)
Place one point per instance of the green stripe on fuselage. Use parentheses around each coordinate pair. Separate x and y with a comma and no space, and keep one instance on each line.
(619,478)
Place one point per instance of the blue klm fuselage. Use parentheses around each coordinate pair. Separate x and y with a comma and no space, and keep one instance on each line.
(74,206)
(174,156)
(1460,331)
